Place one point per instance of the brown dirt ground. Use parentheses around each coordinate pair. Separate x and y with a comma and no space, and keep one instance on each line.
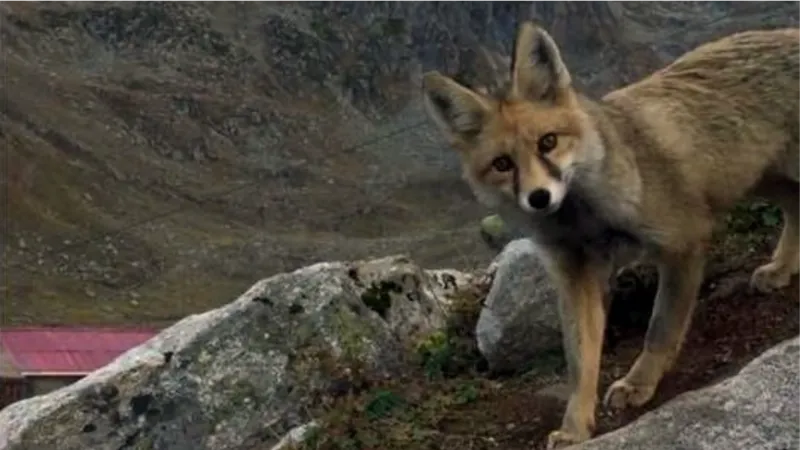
(473,410)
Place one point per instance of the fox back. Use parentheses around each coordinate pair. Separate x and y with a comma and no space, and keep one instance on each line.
(716,123)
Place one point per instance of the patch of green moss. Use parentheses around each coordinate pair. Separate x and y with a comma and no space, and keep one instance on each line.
(494,232)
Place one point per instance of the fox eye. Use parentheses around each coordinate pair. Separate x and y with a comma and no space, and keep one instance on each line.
(503,163)
(547,142)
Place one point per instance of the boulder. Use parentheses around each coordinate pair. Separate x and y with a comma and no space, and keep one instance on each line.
(755,409)
(247,373)
(519,319)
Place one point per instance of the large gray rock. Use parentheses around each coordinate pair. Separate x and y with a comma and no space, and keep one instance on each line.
(756,409)
(246,372)
(519,319)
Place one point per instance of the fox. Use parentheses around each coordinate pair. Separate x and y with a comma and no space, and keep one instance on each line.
(639,175)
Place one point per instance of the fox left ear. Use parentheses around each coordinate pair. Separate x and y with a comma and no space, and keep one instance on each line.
(458,111)
(537,70)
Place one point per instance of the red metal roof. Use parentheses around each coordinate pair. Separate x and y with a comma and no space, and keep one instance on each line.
(54,350)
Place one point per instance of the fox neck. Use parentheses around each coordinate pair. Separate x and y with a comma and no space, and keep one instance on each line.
(608,177)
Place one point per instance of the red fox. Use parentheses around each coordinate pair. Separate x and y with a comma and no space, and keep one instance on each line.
(644,171)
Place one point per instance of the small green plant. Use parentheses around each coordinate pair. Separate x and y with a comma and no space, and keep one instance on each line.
(382,404)
(434,352)
(466,393)
(753,216)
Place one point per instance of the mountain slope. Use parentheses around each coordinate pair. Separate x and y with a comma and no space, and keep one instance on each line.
(162,157)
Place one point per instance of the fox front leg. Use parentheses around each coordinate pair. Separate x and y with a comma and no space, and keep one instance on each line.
(582,309)
(679,282)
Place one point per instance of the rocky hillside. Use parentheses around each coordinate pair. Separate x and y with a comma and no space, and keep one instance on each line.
(161,157)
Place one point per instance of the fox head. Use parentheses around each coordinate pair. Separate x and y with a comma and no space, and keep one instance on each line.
(527,144)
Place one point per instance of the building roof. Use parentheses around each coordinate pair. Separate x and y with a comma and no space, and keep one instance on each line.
(67,350)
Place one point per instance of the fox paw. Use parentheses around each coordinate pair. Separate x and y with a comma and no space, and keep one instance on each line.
(770,277)
(560,439)
(622,394)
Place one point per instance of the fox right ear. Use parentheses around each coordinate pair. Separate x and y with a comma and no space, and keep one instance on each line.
(537,70)
(458,111)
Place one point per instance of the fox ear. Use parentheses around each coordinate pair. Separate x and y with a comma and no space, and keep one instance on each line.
(537,70)
(457,110)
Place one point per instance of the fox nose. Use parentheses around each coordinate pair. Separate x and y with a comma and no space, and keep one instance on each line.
(539,199)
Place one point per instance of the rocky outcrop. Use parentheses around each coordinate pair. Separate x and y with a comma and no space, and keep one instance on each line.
(755,409)
(247,372)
